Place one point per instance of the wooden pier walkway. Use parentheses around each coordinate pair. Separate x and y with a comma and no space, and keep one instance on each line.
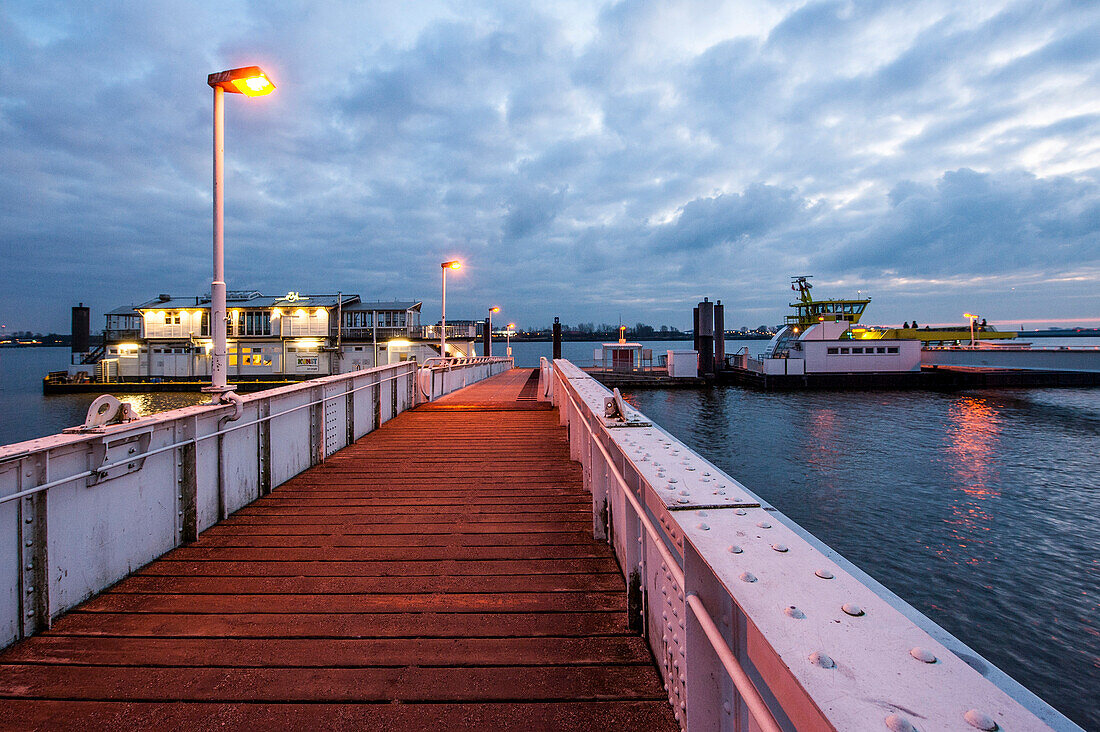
(440,573)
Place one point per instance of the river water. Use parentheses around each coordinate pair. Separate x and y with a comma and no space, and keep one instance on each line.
(979,507)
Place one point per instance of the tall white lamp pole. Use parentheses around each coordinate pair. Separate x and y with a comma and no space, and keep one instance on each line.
(250,81)
(453,264)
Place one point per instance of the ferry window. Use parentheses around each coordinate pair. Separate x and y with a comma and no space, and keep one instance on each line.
(882,350)
(844,350)
(833,351)
(892,349)
(857,350)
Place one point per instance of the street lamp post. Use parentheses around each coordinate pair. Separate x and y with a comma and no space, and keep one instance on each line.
(250,81)
(511,327)
(489,336)
(972,318)
(453,264)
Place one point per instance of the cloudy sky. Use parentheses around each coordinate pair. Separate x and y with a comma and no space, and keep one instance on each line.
(592,161)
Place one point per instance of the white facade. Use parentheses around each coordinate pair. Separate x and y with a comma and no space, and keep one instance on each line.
(825,349)
(296,336)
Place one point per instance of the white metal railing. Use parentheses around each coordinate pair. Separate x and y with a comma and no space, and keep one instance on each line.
(86,509)
(756,625)
(441,376)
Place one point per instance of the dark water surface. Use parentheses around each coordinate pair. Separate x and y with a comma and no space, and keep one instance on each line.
(979,508)
(26,414)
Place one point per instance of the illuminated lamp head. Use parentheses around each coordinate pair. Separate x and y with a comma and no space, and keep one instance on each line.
(248,80)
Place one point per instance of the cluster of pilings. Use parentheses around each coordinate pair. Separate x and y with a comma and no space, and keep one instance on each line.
(708,319)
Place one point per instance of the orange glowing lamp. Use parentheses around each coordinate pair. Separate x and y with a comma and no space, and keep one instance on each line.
(494,310)
(453,264)
(248,80)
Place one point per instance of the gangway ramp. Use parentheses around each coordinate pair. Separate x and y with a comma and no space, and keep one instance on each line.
(438,573)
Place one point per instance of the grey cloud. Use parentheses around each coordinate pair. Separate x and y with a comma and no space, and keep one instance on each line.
(490,132)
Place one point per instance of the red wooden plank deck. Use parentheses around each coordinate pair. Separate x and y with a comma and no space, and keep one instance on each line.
(439,573)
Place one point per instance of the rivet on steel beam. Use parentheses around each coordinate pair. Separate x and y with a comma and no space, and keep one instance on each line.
(922,654)
(30,590)
(683,500)
(28,543)
(30,613)
(821,660)
(28,566)
(703,527)
(763,524)
(980,720)
(779,547)
(740,512)
(733,549)
(852,609)
(898,723)
(794,612)
(824,574)
(685,492)
(28,520)
(748,577)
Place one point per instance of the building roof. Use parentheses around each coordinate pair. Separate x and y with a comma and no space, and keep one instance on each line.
(253,299)
(386,305)
(247,299)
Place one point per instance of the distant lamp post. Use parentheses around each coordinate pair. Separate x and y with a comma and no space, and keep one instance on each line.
(971,318)
(253,82)
(489,339)
(453,264)
(508,334)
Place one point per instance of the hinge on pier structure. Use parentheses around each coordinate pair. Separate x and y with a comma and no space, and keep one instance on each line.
(316,427)
(376,402)
(263,435)
(349,412)
(34,590)
(187,479)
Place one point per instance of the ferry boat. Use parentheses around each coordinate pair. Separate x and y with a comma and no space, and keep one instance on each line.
(825,336)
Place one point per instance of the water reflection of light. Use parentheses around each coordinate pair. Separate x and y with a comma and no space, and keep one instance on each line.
(824,447)
(973,430)
(152,402)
